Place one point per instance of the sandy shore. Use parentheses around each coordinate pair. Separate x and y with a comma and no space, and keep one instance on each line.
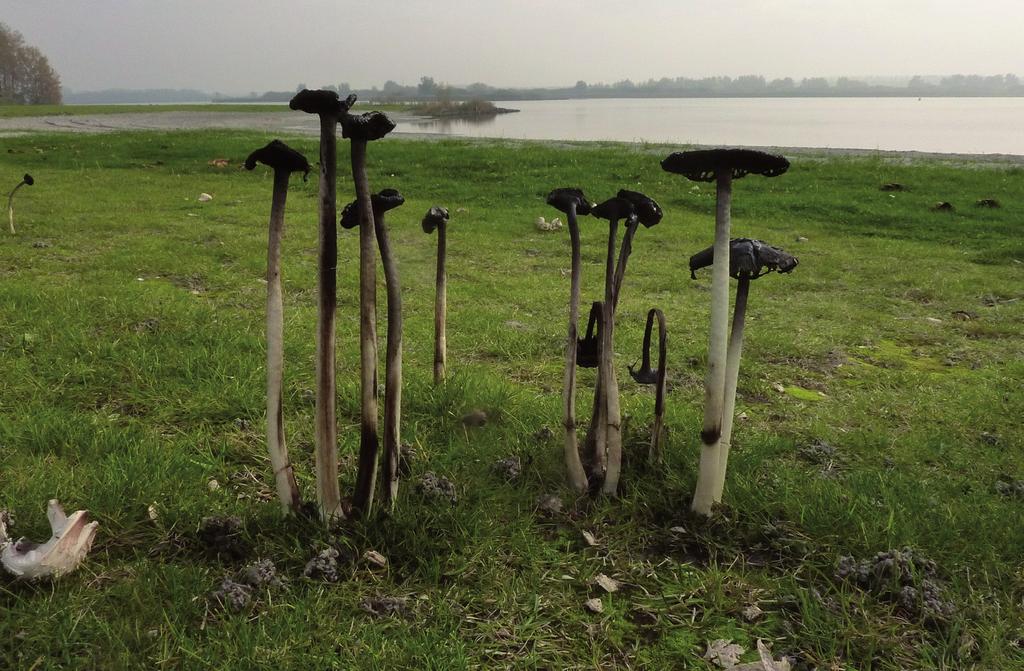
(289,123)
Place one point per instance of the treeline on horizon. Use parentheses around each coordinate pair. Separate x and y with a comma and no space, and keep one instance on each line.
(747,86)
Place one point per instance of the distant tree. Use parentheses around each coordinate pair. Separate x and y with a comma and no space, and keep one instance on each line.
(26,77)
(300,87)
(427,86)
(581,85)
(344,89)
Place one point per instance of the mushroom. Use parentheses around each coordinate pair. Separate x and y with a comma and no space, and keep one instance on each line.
(25,181)
(748,260)
(572,202)
(361,129)
(388,199)
(648,213)
(284,160)
(329,108)
(69,542)
(721,166)
(437,218)
(647,376)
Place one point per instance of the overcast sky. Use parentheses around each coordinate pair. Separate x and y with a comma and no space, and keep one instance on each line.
(237,46)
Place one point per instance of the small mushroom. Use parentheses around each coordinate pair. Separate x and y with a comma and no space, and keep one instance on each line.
(436,218)
(721,166)
(748,260)
(361,129)
(284,160)
(330,109)
(648,376)
(572,202)
(69,542)
(25,181)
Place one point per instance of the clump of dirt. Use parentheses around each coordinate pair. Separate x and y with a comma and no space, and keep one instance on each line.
(1010,488)
(904,578)
(261,574)
(223,536)
(231,595)
(323,567)
(509,468)
(150,325)
(543,434)
(549,505)
(433,486)
(385,606)
(822,454)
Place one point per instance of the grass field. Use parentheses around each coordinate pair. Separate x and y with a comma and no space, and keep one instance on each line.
(131,352)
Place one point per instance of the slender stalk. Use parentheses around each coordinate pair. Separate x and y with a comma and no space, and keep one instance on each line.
(10,205)
(620,266)
(440,306)
(326,431)
(732,374)
(368,444)
(573,464)
(284,474)
(393,363)
(714,386)
(613,418)
(658,431)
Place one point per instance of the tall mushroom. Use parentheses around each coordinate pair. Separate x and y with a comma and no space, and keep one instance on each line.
(648,213)
(437,218)
(572,202)
(387,199)
(748,260)
(284,160)
(362,129)
(25,181)
(645,375)
(721,166)
(330,109)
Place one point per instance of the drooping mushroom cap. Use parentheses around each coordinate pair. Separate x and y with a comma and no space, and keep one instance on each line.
(69,542)
(321,102)
(367,127)
(279,156)
(646,208)
(435,216)
(614,209)
(387,199)
(27,179)
(563,199)
(748,259)
(705,164)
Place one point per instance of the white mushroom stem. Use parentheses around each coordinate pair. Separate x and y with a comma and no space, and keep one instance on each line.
(393,363)
(732,374)
(326,430)
(440,306)
(10,205)
(284,474)
(573,464)
(714,385)
(366,476)
(613,417)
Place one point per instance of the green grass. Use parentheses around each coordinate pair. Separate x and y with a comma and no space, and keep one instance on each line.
(131,351)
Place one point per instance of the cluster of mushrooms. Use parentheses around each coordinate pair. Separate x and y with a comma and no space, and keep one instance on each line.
(597,466)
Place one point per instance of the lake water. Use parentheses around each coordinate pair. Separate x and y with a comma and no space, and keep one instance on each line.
(948,125)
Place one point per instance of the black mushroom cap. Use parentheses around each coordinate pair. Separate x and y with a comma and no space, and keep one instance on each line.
(279,156)
(705,164)
(614,209)
(748,259)
(563,199)
(367,127)
(387,199)
(435,216)
(27,179)
(321,102)
(647,209)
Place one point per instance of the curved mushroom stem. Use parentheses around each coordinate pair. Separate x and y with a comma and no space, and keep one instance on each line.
(326,430)
(658,430)
(714,386)
(393,364)
(10,204)
(620,266)
(368,446)
(612,417)
(573,464)
(440,306)
(732,374)
(284,474)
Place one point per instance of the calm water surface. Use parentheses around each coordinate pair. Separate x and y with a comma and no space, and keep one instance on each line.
(949,125)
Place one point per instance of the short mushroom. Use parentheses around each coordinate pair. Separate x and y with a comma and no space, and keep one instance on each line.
(329,108)
(25,181)
(361,129)
(284,160)
(748,260)
(70,540)
(436,218)
(720,166)
(646,375)
(387,199)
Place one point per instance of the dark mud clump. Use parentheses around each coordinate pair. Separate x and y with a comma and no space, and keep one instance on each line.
(549,505)
(261,574)
(436,487)
(509,468)
(223,536)
(323,567)
(1011,489)
(903,578)
(385,606)
(231,595)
